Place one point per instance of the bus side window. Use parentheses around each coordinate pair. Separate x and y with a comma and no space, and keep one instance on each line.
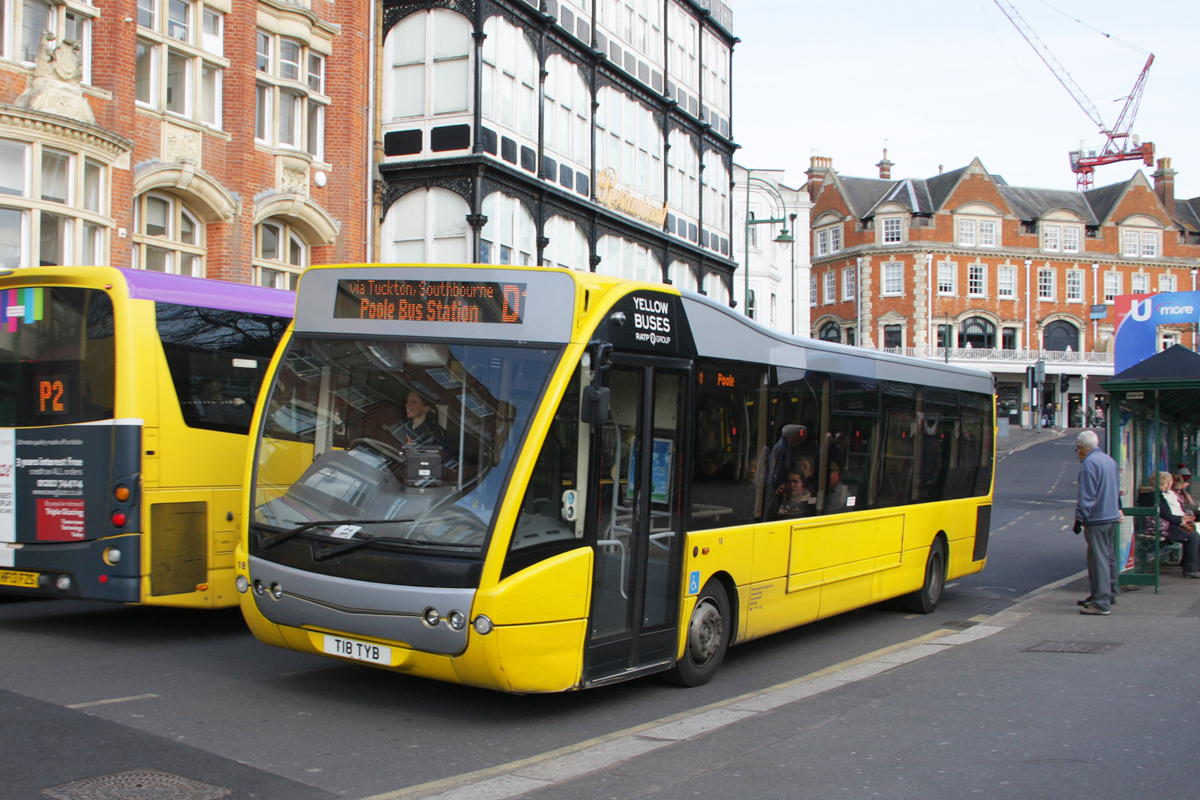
(939,423)
(899,445)
(540,531)
(848,454)
(726,471)
(799,400)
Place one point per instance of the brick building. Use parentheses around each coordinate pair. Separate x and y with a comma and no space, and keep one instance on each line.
(587,134)
(1001,275)
(184,136)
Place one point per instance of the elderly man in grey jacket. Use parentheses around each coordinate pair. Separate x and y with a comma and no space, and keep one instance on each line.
(1097,513)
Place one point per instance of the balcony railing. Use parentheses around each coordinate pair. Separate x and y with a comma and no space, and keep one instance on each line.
(1014,356)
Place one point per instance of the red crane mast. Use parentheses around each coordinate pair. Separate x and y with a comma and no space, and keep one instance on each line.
(1119,143)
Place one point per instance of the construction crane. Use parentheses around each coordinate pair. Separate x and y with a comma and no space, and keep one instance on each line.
(1119,144)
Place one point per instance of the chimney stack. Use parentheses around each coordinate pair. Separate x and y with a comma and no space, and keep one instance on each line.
(885,167)
(817,167)
(1164,185)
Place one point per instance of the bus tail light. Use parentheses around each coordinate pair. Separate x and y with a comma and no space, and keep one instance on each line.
(112,555)
(118,519)
(63,583)
(121,493)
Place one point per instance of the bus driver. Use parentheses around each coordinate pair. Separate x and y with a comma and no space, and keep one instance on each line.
(420,430)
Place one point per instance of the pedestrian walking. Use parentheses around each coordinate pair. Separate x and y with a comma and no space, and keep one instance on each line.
(1097,512)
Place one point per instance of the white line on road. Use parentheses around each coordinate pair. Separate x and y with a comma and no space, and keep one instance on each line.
(113,700)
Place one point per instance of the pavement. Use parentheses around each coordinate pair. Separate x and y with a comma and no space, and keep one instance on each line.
(1037,700)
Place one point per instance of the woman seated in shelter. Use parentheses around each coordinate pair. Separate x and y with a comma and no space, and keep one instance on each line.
(1173,522)
(1182,488)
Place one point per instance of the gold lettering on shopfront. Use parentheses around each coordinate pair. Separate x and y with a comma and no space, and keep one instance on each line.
(620,197)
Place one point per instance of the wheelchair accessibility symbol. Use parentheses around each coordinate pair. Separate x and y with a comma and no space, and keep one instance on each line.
(694,582)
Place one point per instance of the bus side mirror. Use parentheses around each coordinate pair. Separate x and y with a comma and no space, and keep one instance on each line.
(593,406)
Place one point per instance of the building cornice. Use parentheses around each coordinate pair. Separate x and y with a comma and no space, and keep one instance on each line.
(80,135)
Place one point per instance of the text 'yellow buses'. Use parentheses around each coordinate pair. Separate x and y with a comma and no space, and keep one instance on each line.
(576,480)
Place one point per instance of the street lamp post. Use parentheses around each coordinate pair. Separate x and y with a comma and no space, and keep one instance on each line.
(784,237)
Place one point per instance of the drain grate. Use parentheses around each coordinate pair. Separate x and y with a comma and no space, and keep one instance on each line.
(1090,648)
(137,784)
(963,625)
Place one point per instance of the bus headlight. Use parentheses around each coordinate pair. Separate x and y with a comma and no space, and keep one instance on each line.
(482,625)
(242,584)
(258,587)
(431,617)
(276,591)
(456,620)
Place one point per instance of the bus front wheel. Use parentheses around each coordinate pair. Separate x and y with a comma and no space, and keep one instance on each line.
(707,638)
(925,600)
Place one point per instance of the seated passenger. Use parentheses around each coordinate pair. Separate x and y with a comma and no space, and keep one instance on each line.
(837,497)
(1172,521)
(797,500)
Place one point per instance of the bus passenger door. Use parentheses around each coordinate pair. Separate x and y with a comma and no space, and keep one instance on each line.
(639,537)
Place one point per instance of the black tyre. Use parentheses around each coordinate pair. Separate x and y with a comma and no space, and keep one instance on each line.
(708,635)
(925,600)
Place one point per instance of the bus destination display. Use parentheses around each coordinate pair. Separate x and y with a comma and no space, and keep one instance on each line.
(431,301)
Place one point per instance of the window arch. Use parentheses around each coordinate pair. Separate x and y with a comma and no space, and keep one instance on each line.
(716,194)
(683,277)
(510,83)
(427,226)
(429,57)
(280,254)
(1060,336)
(622,258)
(567,113)
(509,234)
(629,142)
(716,289)
(830,332)
(567,247)
(977,332)
(168,236)
(684,163)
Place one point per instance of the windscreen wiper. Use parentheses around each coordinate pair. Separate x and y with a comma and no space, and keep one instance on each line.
(271,541)
(333,551)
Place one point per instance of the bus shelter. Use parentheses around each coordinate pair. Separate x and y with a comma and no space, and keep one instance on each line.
(1153,419)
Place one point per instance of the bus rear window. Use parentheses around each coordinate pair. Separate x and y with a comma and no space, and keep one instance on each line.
(217,360)
(57,356)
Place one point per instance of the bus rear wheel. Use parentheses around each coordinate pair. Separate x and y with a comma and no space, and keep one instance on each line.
(925,600)
(707,638)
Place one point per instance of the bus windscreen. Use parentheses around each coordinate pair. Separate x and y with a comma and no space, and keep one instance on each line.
(414,438)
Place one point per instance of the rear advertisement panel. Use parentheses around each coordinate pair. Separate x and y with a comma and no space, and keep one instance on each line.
(56,483)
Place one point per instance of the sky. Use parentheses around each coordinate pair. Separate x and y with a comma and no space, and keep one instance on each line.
(939,82)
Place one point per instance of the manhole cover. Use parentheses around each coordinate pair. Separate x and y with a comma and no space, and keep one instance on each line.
(137,784)
(1092,648)
(959,624)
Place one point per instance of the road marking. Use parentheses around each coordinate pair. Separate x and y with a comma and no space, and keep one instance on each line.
(113,700)
(567,763)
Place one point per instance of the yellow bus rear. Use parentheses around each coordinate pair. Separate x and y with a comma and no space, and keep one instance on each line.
(125,404)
